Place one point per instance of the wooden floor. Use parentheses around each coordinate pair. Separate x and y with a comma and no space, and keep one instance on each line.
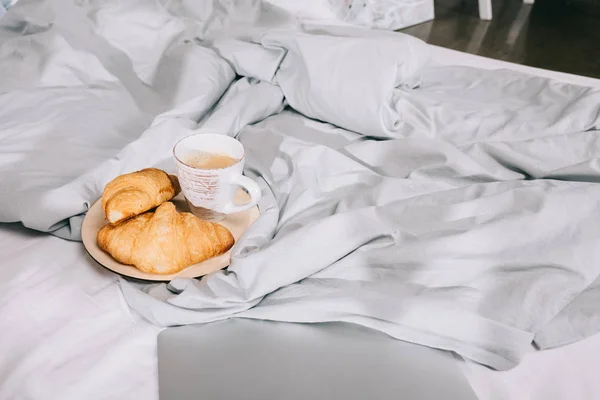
(552,34)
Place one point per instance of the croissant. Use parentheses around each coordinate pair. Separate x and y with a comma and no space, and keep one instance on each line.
(132,194)
(164,241)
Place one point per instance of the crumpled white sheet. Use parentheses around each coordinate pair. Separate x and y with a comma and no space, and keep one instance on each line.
(468,227)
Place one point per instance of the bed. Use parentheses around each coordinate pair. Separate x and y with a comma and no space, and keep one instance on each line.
(68,332)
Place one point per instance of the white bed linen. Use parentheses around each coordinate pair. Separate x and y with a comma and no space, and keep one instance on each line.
(65,330)
(72,336)
(567,372)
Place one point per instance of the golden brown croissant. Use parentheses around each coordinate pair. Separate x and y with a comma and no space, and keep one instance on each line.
(164,241)
(131,194)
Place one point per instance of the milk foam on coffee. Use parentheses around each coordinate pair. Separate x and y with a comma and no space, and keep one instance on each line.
(205,160)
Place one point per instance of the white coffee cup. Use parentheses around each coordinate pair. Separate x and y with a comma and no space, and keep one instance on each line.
(210,193)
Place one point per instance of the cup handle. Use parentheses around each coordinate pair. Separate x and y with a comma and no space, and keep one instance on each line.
(252,189)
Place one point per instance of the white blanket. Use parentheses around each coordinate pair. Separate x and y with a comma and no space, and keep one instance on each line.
(456,209)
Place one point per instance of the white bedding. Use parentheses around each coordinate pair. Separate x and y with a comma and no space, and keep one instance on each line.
(68,334)
(568,372)
(64,315)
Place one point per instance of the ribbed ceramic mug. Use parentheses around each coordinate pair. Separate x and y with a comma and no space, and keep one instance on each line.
(210,193)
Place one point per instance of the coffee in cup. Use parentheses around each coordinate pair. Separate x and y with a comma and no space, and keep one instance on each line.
(205,160)
(210,170)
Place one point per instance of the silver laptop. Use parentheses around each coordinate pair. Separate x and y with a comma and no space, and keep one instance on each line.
(242,359)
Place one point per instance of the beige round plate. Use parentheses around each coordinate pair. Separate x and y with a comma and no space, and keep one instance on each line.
(236,223)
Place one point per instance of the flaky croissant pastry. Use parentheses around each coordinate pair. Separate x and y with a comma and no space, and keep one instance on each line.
(164,241)
(131,194)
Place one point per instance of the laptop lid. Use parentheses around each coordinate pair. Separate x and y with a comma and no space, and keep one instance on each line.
(253,359)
